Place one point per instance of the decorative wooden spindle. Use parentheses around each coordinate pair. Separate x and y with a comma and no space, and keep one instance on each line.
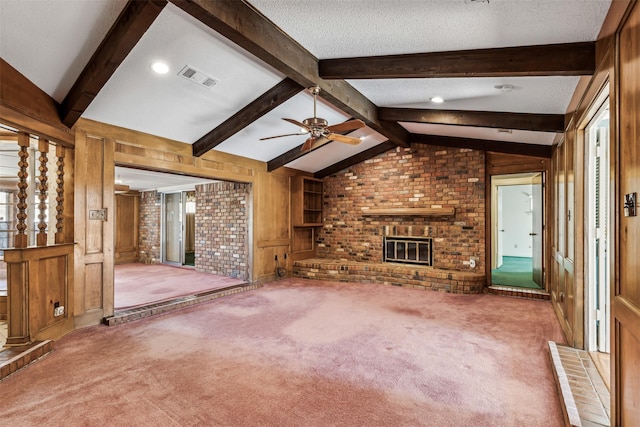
(60,194)
(43,188)
(21,240)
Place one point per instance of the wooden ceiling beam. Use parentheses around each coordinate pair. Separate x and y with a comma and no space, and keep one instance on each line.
(287,157)
(566,59)
(535,150)
(355,159)
(266,102)
(239,22)
(134,20)
(487,119)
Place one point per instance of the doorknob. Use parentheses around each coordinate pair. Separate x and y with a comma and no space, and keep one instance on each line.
(533,234)
(502,231)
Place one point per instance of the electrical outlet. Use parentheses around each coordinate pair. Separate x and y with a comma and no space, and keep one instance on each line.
(98,214)
(58,311)
(472,263)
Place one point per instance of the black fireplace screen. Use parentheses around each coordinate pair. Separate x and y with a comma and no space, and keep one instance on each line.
(412,250)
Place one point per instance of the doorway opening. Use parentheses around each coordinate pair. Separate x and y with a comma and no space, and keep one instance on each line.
(517,222)
(191,236)
(598,248)
(178,228)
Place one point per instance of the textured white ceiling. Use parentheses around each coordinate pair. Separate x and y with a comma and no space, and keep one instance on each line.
(520,136)
(143,180)
(339,28)
(329,154)
(51,41)
(549,95)
(170,105)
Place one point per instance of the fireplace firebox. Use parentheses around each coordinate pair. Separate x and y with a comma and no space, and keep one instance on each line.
(410,250)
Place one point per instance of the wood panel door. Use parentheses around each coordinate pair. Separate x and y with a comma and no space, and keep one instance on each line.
(126,245)
(626,294)
(94,229)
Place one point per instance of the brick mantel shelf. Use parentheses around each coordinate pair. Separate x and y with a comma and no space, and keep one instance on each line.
(443,211)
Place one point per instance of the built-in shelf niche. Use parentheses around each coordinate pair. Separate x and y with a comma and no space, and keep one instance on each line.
(307,196)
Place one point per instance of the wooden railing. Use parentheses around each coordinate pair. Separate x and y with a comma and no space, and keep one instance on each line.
(40,269)
(41,183)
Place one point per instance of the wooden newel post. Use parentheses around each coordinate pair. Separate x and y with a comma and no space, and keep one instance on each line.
(43,188)
(21,239)
(60,194)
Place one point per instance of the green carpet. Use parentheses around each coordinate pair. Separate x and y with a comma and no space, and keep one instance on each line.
(190,258)
(514,271)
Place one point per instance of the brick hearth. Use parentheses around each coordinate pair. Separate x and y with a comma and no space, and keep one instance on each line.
(413,276)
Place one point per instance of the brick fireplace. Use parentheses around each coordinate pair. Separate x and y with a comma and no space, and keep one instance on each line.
(417,177)
(377,198)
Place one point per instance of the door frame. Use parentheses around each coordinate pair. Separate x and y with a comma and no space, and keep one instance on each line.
(506,164)
(508,179)
(597,106)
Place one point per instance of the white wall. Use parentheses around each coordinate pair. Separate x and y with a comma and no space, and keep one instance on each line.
(516,220)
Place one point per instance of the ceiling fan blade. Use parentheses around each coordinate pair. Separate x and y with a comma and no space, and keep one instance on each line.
(346,126)
(308,144)
(280,136)
(297,123)
(344,139)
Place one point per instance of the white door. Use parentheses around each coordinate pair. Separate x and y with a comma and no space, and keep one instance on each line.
(598,239)
(537,228)
(172,230)
(500,246)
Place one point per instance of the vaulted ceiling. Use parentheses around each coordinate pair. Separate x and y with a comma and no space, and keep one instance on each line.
(506,70)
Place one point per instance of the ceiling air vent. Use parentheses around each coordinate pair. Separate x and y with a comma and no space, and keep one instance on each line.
(192,74)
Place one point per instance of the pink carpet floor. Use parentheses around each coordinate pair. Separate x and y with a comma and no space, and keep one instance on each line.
(303,353)
(140,284)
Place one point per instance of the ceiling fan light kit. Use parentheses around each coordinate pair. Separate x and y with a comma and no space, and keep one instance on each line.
(319,129)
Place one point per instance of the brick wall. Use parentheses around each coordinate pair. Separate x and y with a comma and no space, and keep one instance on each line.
(420,176)
(149,227)
(222,229)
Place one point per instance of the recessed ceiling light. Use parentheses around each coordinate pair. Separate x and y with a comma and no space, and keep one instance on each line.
(160,67)
(437,100)
(504,88)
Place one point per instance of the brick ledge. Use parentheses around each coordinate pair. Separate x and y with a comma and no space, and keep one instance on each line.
(408,275)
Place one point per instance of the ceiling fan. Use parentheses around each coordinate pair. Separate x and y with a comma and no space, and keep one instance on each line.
(319,129)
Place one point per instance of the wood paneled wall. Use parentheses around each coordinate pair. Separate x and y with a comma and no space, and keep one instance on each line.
(38,278)
(272,237)
(99,147)
(568,188)
(626,292)
(26,107)
(618,53)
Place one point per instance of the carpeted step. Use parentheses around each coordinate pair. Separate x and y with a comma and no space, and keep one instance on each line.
(130,314)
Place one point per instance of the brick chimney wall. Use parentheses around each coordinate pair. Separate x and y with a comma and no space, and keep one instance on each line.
(149,227)
(222,228)
(421,176)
